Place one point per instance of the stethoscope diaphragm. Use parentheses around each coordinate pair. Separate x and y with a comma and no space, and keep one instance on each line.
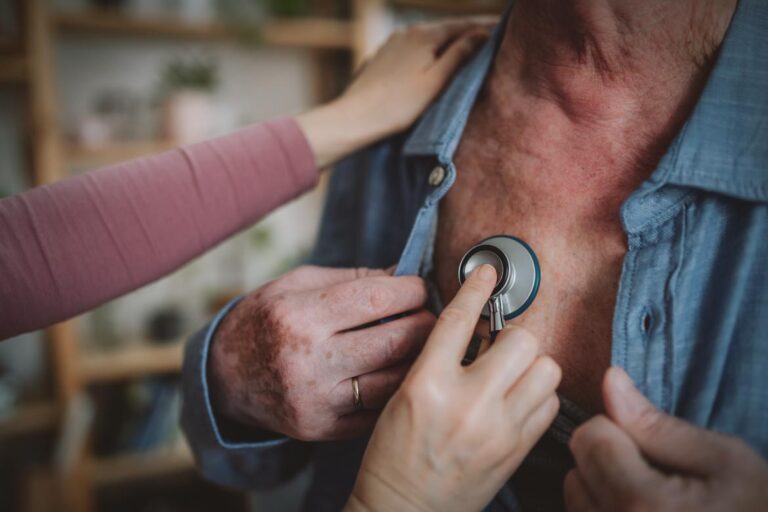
(518,276)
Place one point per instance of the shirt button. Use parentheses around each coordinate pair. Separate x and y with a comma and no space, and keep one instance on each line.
(437,176)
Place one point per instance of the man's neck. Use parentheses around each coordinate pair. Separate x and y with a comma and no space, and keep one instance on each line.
(598,89)
(577,53)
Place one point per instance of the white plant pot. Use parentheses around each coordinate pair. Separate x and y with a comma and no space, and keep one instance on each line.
(188,116)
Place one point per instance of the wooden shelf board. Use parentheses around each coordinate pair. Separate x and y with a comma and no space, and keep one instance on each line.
(77,155)
(112,24)
(309,32)
(454,7)
(28,418)
(141,466)
(12,68)
(135,360)
(312,33)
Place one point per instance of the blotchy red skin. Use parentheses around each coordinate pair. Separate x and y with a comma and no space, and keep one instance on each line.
(565,129)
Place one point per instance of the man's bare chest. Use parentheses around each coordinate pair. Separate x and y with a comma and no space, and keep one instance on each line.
(501,190)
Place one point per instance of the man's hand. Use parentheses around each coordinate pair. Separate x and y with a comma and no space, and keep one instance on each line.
(639,459)
(284,357)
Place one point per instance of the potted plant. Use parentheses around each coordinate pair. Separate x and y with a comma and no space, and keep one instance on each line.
(187,88)
(288,8)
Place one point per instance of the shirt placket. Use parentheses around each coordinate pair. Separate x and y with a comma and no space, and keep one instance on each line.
(642,334)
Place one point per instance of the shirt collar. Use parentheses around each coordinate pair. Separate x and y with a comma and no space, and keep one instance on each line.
(439,130)
(721,148)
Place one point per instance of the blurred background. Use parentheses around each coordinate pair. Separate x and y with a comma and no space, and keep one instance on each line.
(89,408)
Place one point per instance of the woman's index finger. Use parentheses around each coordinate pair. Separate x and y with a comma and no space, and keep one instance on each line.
(457,322)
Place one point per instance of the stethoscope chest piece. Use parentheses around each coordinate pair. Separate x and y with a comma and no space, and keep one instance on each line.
(518,275)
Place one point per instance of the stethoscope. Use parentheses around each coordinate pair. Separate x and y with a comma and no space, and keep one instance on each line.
(518,277)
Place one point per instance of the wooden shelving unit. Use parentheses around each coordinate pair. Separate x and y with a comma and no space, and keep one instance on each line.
(323,34)
(309,33)
(29,60)
(138,359)
(115,24)
(31,418)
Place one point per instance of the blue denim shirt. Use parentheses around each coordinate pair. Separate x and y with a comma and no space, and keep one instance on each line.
(691,319)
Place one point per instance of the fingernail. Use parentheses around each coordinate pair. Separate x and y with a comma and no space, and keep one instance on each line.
(486,273)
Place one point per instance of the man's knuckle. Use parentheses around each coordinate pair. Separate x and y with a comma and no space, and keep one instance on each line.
(379,298)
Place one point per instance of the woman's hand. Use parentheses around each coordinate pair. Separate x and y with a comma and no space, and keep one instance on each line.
(393,88)
(451,435)
(638,458)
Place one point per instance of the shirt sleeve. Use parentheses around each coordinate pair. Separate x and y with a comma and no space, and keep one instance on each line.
(72,245)
(232,462)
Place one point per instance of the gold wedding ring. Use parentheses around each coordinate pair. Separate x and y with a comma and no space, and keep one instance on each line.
(356,398)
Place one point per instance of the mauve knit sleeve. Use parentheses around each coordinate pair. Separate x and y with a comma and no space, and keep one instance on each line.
(70,246)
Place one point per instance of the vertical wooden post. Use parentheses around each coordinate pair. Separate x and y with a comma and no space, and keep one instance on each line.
(46,147)
(74,491)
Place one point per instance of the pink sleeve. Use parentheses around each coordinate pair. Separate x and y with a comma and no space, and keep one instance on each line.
(70,246)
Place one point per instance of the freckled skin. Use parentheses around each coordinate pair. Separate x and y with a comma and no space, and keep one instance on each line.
(283,358)
(255,363)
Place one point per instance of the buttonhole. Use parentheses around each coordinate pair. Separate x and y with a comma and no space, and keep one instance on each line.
(646,321)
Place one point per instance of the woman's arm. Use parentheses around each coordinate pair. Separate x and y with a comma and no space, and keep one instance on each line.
(70,246)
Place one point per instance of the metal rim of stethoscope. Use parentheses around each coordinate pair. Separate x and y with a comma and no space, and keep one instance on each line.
(484,246)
